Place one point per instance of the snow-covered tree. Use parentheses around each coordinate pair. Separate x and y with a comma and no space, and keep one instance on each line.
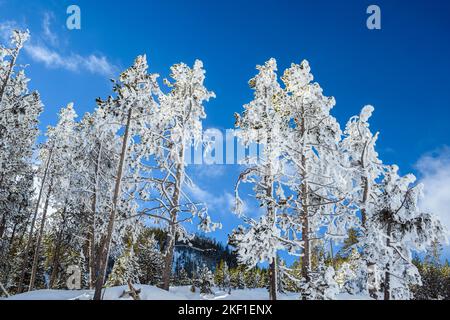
(132,110)
(56,158)
(178,126)
(398,227)
(318,179)
(351,275)
(151,260)
(362,159)
(321,285)
(264,121)
(19,111)
(126,269)
(205,280)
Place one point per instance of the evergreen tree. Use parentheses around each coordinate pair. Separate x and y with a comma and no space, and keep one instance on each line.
(398,228)
(19,112)
(264,121)
(150,260)
(205,280)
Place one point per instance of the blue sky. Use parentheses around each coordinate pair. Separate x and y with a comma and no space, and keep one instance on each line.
(402,69)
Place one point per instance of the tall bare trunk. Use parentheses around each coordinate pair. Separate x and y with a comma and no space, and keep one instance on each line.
(303,195)
(106,241)
(56,253)
(91,237)
(2,225)
(387,276)
(364,201)
(39,240)
(33,222)
(12,63)
(306,258)
(273,280)
(171,237)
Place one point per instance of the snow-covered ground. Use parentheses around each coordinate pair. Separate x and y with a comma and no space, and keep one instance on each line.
(154,293)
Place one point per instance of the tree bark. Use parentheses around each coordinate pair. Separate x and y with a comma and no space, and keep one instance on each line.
(56,254)
(39,240)
(2,225)
(93,268)
(106,243)
(273,280)
(33,222)
(12,63)
(168,259)
(387,276)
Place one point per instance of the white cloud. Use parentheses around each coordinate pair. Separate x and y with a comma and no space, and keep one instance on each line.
(6,29)
(434,169)
(96,64)
(209,171)
(43,48)
(223,203)
(48,34)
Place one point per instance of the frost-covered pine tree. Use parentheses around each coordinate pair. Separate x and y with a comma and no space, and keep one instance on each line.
(364,167)
(178,126)
(151,260)
(399,227)
(205,280)
(264,121)
(318,179)
(56,159)
(321,285)
(351,275)
(358,146)
(126,269)
(132,110)
(19,112)
(183,278)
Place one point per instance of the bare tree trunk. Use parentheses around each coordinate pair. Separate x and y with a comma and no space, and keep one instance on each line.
(56,254)
(39,240)
(387,276)
(106,241)
(306,258)
(12,63)
(33,221)
(10,253)
(273,280)
(3,225)
(168,259)
(364,201)
(91,237)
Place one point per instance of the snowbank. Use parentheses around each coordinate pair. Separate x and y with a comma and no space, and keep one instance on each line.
(154,293)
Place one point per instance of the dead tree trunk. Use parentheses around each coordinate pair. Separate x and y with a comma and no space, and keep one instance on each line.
(33,222)
(12,63)
(106,241)
(273,280)
(56,254)
(39,240)
(168,259)
(387,276)
(91,235)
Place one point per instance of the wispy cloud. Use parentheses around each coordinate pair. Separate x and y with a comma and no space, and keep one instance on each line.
(219,203)
(44,48)
(96,64)
(6,28)
(434,169)
(47,32)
